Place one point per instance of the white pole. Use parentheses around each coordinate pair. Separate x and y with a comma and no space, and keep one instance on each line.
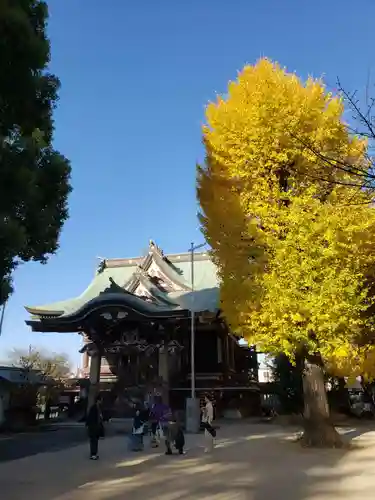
(2,318)
(192,335)
(192,404)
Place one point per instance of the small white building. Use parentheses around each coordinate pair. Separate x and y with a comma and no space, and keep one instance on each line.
(265,363)
(265,372)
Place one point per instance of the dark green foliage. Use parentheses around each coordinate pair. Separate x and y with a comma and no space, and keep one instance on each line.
(247,364)
(288,380)
(35,178)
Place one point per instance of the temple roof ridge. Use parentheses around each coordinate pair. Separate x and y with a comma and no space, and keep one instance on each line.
(154,248)
(175,258)
(166,264)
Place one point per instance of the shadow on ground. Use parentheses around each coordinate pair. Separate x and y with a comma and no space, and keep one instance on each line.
(251,465)
(16,446)
(240,469)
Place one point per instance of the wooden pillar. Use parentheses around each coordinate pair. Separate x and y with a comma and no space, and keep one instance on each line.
(227,354)
(85,363)
(95,364)
(85,356)
(164,373)
(219,341)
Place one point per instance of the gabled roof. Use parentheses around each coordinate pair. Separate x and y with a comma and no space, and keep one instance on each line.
(153,284)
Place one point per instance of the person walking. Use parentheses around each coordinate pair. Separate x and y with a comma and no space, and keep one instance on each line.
(145,416)
(175,436)
(207,420)
(138,431)
(94,424)
(160,417)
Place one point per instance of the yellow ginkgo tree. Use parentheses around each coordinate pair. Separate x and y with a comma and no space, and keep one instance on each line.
(293,237)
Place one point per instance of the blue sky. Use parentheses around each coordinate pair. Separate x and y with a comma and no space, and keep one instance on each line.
(136,76)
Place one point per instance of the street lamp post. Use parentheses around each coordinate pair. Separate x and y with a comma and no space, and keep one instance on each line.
(192,404)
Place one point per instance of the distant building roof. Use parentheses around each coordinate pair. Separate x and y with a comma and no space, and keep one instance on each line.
(16,375)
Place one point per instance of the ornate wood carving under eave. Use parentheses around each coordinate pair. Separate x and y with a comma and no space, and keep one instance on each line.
(153,248)
(156,259)
(142,292)
(154,271)
(155,291)
(132,284)
(171,272)
(140,284)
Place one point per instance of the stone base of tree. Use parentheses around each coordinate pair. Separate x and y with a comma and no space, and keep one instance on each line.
(320,435)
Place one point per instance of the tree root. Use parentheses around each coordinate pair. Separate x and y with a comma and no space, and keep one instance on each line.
(321,436)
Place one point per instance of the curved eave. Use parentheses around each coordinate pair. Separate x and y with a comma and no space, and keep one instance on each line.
(99,284)
(137,309)
(35,311)
(49,326)
(130,301)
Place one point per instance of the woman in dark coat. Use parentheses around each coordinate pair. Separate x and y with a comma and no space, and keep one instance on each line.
(94,424)
(138,431)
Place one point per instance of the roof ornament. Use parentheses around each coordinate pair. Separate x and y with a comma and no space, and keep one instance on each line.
(159,252)
(154,248)
(102,265)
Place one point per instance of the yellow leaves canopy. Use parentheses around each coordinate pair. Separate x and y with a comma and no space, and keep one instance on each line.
(293,238)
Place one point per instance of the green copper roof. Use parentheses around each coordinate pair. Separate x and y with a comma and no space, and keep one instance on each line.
(121,272)
(204,272)
(98,285)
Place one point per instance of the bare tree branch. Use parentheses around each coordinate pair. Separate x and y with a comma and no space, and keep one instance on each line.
(362,117)
(362,177)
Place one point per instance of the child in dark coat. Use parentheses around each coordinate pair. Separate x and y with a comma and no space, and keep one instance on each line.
(175,435)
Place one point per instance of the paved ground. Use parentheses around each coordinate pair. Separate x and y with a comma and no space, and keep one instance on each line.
(251,462)
(56,438)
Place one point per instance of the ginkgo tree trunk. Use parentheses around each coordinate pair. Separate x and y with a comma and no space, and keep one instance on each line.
(294,244)
(319,429)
